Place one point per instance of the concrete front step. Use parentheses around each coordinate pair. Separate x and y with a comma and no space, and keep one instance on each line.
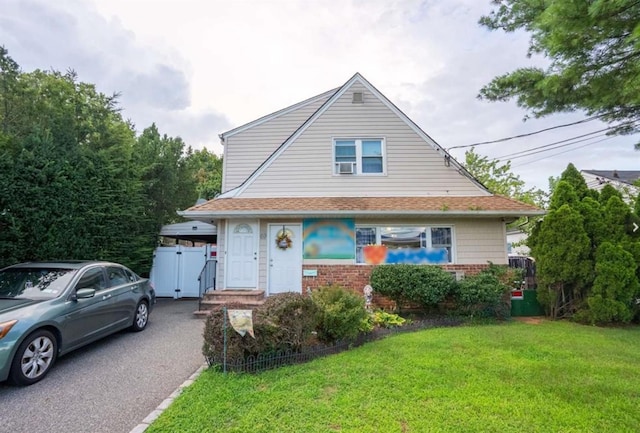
(234,296)
(217,298)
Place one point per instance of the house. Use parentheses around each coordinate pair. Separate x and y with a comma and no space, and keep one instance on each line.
(622,180)
(516,242)
(320,192)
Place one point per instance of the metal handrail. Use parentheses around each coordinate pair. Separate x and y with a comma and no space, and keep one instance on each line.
(207,279)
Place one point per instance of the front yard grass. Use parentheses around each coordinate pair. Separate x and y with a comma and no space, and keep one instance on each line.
(513,377)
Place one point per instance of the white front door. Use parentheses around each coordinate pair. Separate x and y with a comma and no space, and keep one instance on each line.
(242,255)
(285,259)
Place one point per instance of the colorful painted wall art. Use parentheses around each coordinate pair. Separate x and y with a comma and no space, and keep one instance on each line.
(329,238)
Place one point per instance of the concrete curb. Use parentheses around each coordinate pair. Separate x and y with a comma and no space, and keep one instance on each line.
(167,402)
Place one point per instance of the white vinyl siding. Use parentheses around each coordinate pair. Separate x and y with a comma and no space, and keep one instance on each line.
(246,150)
(480,241)
(413,167)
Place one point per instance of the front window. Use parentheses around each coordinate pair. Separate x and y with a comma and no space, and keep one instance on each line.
(34,283)
(359,156)
(407,244)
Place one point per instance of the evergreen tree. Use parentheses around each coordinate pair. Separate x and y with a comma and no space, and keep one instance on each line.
(593,220)
(593,53)
(564,193)
(562,251)
(572,176)
(607,192)
(616,215)
(615,287)
(75,181)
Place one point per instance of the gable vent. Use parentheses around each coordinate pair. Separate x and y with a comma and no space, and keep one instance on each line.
(358,98)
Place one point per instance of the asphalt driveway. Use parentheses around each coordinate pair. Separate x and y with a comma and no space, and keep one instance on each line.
(112,385)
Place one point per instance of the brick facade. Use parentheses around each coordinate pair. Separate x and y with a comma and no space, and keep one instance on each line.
(355,277)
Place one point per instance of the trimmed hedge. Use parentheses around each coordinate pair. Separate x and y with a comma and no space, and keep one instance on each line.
(425,285)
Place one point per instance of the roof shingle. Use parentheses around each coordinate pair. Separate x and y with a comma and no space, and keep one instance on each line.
(493,204)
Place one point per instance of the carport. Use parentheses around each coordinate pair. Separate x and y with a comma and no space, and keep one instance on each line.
(185,271)
(194,231)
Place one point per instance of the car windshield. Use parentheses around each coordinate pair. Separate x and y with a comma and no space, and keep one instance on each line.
(34,283)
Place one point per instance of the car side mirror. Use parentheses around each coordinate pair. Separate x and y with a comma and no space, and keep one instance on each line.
(84,294)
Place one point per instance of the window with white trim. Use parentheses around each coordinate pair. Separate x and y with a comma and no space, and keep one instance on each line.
(359,156)
(400,237)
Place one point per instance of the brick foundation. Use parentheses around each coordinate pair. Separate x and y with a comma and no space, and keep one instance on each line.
(355,277)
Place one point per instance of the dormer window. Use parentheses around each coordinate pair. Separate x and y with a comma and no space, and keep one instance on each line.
(361,156)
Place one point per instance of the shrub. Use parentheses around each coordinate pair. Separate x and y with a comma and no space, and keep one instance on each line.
(487,293)
(284,322)
(431,285)
(423,284)
(383,319)
(213,345)
(389,281)
(292,316)
(341,313)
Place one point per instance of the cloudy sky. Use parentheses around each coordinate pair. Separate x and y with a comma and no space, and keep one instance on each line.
(198,68)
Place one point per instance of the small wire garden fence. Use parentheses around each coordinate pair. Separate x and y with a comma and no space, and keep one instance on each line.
(267,361)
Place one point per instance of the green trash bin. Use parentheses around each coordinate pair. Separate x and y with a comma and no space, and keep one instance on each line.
(525,303)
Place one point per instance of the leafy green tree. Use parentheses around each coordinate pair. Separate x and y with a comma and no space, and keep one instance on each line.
(206,168)
(564,270)
(594,51)
(167,182)
(615,286)
(499,179)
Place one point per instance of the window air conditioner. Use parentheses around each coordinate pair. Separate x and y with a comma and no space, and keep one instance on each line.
(346,167)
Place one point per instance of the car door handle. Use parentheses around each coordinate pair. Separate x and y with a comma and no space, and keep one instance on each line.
(105,297)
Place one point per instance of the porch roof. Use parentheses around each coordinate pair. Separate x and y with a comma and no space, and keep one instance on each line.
(459,206)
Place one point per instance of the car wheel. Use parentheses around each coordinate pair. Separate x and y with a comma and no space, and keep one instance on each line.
(141,316)
(34,358)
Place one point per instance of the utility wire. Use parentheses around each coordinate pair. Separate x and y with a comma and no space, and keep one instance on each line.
(553,145)
(560,153)
(588,119)
(554,148)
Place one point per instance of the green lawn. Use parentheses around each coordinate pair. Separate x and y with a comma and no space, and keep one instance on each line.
(515,377)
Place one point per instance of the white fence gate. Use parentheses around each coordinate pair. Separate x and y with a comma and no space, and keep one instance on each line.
(176,269)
